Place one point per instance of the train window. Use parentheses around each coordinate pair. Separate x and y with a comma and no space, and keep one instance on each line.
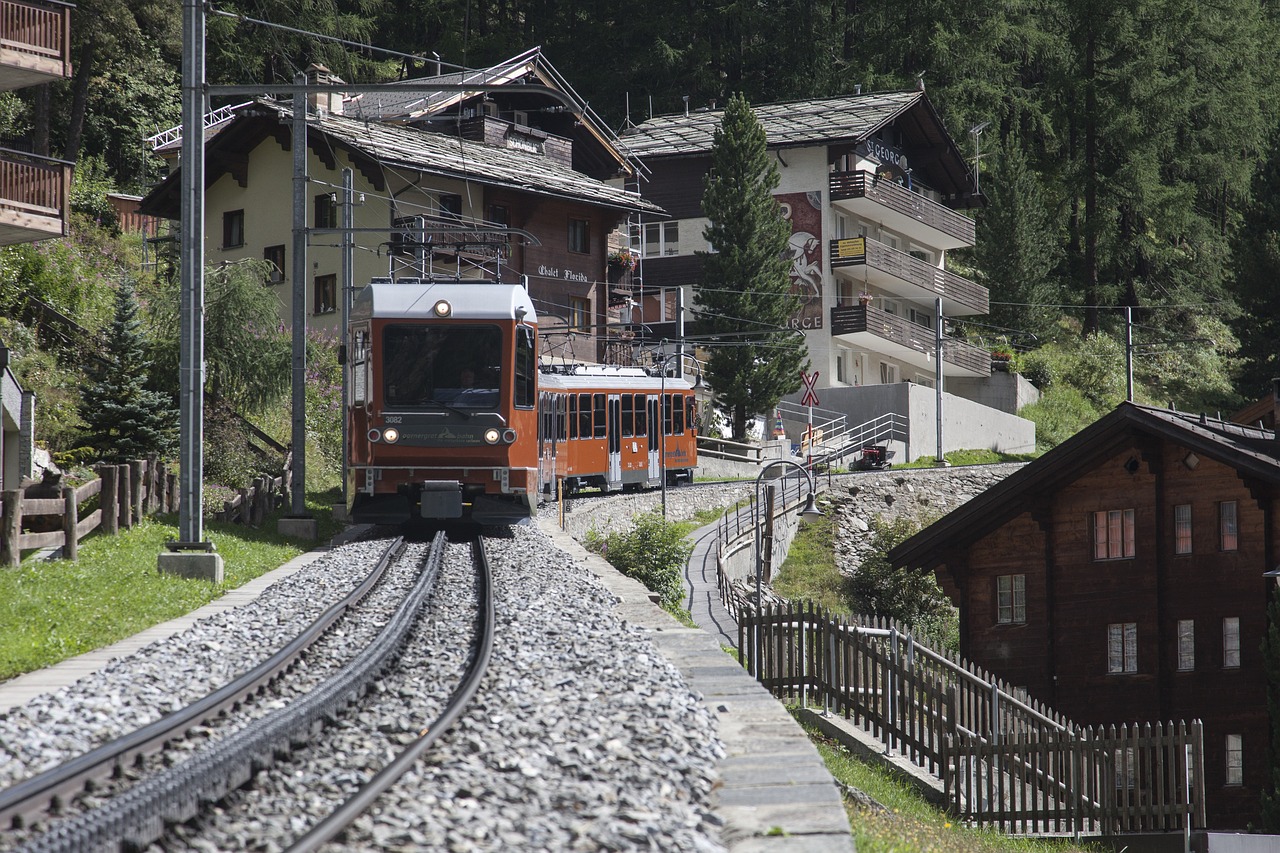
(601,423)
(573,415)
(560,418)
(445,367)
(677,414)
(690,412)
(359,365)
(641,402)
(628,412)
(526,368)
(666,414)
(584,416)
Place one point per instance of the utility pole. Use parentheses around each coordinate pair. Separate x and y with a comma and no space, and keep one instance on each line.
(191,555)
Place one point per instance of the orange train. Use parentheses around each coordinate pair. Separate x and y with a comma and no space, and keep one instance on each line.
(610,428)
(450,418)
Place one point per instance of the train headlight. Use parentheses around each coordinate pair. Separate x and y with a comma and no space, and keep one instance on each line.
(375,435)
(391,435)
(509,436)
(492,435)
(443,308)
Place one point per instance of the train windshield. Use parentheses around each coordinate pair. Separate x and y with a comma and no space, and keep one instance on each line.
(442,367)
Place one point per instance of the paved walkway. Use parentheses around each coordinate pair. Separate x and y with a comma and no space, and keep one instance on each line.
(702,588)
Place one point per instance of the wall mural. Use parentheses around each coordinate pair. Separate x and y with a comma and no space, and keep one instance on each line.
(804,211)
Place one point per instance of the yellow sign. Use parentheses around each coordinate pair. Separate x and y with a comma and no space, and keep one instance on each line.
(851,247)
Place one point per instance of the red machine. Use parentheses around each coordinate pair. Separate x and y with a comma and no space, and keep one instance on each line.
(442,418)
(611,428)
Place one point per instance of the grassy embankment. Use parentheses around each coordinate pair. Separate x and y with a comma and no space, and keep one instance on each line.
(54,610)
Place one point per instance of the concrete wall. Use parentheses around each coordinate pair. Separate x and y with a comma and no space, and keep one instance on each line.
(966,425)
(10,430)
(1008,392)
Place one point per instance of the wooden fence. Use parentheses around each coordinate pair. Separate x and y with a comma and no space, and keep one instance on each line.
(1004,758)
(124,493)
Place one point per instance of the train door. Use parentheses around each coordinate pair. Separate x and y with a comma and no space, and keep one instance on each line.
(615,441)
(655,442)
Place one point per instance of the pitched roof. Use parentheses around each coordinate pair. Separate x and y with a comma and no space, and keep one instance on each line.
(854,117)
(379,146)
(821,121)
(1248,449)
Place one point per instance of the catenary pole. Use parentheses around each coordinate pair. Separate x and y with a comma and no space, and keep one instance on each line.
(298,505)
(191,275)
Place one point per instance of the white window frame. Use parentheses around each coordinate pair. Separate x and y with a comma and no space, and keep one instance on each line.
(1231,642)
(1228,526)
(1235,760)
(1182,530)
(1113,535)
(890,370)
(661,239)
(1011,599)
(1186,645)
(1122,648)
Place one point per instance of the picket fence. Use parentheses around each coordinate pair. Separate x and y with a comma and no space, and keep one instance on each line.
(1005,760)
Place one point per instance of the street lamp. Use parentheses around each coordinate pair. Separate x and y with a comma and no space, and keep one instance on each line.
(809,513)
(662,411)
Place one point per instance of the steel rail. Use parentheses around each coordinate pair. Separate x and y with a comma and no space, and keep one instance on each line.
(138,816)
(36,794)
(360,802)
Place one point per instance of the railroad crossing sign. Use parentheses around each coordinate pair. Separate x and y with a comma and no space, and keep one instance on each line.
(810,397)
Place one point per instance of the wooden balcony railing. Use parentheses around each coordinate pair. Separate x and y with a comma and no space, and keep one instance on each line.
(847,185)
(851,319)
(34,194)
(907,268)
(35,42)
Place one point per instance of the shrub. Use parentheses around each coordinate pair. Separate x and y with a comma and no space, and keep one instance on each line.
(1059,414)
(909,595)
(653,552)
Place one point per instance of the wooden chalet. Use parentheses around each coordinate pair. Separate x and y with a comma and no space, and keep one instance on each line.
(1119,577)
(435,173)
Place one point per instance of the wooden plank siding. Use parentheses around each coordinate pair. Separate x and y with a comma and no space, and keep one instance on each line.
(1060,654)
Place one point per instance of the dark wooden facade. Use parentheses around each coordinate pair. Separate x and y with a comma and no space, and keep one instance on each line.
(1039,525)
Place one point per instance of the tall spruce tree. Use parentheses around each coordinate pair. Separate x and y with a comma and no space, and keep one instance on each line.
(745,293)
(125,419)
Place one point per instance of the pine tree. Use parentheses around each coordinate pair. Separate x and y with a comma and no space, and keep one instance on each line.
(745,292)
(1017,249)
(125,420)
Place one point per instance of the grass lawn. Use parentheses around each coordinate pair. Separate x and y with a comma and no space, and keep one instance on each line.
(911,823)
(969,457)
(53,610)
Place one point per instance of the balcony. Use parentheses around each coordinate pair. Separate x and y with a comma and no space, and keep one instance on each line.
(34,196)
(899,209)
(879,331)
(35,43)
(901,274)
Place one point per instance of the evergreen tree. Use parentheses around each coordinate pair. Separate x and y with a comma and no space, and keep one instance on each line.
(745,292)
(1017,249)
(125,419)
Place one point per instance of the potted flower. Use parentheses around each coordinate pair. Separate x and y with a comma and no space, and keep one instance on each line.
(623,259)
(864,299)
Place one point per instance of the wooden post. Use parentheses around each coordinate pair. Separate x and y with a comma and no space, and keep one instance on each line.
(126,497)
(11,528)
(70,520)
(136,481)
(246,506)
(153,483)
(171,491)
(109,500)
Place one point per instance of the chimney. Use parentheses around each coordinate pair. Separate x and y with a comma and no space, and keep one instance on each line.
(324,102)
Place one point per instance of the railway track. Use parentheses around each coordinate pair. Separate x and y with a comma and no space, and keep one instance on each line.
(167,796)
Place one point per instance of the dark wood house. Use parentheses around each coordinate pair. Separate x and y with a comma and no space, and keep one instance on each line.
(1119,578)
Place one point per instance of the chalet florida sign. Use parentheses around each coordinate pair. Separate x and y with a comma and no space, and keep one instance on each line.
(564,275)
